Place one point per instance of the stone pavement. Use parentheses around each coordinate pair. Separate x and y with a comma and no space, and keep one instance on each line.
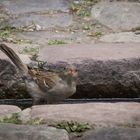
(105,70)
(101,39)
(100,114)
(104,114)
(72,21)
(105,50)
(111,121)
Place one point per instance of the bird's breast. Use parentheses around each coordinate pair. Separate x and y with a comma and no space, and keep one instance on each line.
(63,90)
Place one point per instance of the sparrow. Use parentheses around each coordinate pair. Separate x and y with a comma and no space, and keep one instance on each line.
(43,85)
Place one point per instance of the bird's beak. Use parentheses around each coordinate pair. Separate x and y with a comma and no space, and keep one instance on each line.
(71,72)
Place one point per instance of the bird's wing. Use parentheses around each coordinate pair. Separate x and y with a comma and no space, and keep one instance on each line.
(45,79)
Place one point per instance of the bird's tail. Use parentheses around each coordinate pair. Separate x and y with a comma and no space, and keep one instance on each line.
(14,58)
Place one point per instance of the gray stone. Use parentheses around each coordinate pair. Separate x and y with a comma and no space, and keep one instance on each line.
(121,37)
(6,110)
(119,16)
(77,53)
(28,6)
(25,115)
(26,132)
(42,37)
(105,70)
(4,18)
(44,21)
(112,134)
(100,114)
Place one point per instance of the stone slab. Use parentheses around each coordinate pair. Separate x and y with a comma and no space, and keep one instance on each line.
(118,16)
(112,134)
(81,52)
(104,114)
(28,6)
(106,70)
(6,110)
(43,37)
(127,37)
(28,132)
(43,21)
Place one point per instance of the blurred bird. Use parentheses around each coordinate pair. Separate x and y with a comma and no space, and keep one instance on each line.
(42,85)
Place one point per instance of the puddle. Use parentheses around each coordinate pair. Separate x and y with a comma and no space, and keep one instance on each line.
(25,103)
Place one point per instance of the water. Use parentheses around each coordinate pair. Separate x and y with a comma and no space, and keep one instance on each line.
(24,103)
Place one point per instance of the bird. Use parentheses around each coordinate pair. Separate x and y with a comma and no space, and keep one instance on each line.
(42,85)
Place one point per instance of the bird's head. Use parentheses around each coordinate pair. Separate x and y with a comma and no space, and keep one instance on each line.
(71,70)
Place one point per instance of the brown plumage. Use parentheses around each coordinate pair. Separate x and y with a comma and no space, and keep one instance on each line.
(42,84)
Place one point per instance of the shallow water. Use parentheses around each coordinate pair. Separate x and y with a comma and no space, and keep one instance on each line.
(25,103)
